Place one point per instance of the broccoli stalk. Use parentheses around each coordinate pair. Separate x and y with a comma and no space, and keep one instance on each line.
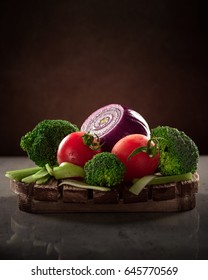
(83,185)
(139,184)
(19,174)
(38,175)
(67,170)
(41,175)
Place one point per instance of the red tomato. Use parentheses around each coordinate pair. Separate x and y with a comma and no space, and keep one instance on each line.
(139,165)
(73,149)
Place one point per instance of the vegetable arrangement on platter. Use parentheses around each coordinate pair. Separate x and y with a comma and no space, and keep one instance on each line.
(114,160)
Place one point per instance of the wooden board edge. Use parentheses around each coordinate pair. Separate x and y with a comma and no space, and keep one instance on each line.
(178,204)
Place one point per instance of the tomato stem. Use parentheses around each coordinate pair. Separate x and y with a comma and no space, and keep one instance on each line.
(151,150)
(93,142)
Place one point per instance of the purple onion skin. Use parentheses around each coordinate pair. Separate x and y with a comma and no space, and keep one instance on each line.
(131,122)
(128,125)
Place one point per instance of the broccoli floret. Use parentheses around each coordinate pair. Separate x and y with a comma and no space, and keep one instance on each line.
(104,169)
(178,152)
(41,144)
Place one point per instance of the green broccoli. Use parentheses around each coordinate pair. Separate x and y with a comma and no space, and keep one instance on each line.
(104,169)
(42,142)
(178,152)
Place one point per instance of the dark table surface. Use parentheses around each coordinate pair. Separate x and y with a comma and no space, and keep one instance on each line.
(101,235)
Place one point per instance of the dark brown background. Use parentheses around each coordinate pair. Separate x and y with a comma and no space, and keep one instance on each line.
(64,59)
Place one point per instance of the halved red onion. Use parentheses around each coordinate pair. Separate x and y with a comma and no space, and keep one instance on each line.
(112,122)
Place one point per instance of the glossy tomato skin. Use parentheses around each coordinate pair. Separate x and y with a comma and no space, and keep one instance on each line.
(72,149)
(139,165)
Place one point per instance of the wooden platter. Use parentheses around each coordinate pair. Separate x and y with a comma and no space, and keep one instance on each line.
(52,198)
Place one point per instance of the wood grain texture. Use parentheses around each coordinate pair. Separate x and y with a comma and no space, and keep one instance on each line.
(52,198)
